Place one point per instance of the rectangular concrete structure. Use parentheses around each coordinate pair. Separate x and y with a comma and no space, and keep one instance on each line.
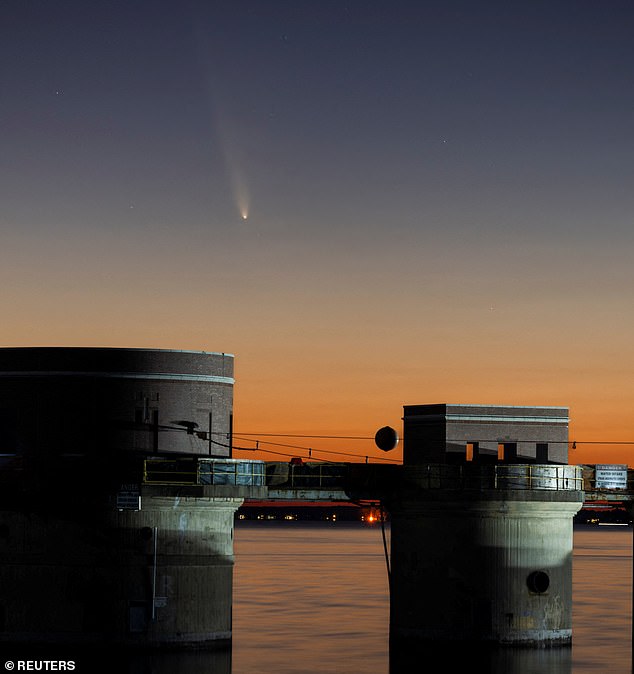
(444,433)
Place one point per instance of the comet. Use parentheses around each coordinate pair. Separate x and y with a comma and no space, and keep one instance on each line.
(230,145)
(240,192)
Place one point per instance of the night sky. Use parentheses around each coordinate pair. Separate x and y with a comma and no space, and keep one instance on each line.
(438,200)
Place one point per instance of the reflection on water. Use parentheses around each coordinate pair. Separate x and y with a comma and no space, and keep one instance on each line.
(322,659)
(602,600)
(310,598)
(485,660)
(89,660)
(179,663)
(313,599)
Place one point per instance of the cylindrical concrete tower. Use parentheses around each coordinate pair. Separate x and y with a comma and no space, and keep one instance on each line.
(481,526)
(483,555)
(118,495)
(80,401)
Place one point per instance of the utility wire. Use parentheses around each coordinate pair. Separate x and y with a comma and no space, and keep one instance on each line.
(163,427)
(286,454)
(498,440)
(297,435)
(313,449)
(310,450)
(601,442)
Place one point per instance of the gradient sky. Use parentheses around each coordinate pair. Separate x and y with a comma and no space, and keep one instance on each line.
(439,200)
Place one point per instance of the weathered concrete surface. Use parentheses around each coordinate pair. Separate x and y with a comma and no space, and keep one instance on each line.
(156,577)
(486,567)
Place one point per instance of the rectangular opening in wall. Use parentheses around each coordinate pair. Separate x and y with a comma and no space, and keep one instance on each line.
(541,455)
(510,452)
(500,451)
(485,452)
(470,451)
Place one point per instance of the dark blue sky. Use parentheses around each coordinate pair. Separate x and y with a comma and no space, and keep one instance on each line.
(412,172)
(363,105)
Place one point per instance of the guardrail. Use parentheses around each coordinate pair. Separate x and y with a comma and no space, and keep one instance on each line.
(329,476)
(496,476)
(244,472)
(204,472)
(311,475)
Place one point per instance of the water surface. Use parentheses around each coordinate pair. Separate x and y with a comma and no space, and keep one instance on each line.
(313,598)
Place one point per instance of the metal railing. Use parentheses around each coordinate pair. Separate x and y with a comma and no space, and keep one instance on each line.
(497,476)
(324,476)
(314,476)
(204,472)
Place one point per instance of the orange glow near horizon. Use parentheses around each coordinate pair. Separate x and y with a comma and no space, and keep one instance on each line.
(460,239)
(284,390)
(331,345)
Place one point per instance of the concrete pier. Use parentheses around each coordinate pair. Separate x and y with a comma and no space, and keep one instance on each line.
(179,553)
(482,522)
(159,576)
(117,497)
(484,565)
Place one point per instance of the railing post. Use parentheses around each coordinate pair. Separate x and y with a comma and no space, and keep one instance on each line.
(154,565)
